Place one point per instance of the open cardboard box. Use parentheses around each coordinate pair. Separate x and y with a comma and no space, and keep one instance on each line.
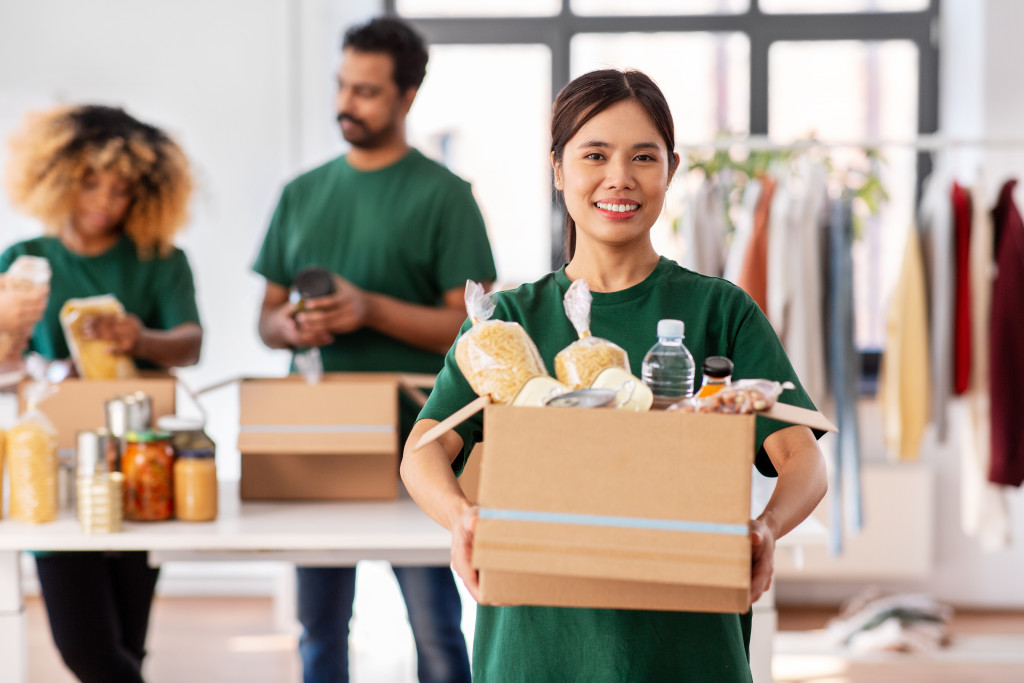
(334,440)
(617,509)
(78,404)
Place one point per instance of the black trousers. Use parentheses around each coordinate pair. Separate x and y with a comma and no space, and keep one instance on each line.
(98,604)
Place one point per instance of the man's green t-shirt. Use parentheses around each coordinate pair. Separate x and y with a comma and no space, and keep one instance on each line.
(540,644)
(159,290)
(411,231)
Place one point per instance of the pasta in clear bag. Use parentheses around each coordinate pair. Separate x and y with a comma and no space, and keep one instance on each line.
(496,357)
(579,364)
(32,457)
(94,358)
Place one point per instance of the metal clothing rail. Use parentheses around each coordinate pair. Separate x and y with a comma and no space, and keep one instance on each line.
(922,142)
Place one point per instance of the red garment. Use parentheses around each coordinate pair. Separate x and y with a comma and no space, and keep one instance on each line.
(753,275)
(1006,365)
(962,288)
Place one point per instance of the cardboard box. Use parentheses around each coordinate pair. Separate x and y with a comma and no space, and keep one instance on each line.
(336,440)
(78,404)
(615,509)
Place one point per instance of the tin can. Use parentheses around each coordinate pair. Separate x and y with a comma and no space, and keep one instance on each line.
(94,452)
(128,413)
(584,398)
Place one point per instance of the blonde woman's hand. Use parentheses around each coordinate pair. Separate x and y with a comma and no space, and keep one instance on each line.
(20,310)
(122,330)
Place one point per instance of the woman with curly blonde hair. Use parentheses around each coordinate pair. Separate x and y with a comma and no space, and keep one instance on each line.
(111,193)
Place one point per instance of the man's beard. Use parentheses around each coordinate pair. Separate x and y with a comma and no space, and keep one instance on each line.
(363,137)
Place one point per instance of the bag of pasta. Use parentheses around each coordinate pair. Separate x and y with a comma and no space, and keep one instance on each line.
(496,357)
(32,456)
(579,364)
(94,358)
(26,274)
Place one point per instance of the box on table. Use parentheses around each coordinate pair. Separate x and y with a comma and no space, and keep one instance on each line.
(615,509)
(335,440)
(78,404)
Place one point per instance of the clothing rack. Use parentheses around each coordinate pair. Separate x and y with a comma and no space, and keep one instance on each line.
(924,143)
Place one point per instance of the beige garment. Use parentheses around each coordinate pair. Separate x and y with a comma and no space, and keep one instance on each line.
(903,388)
(983,504)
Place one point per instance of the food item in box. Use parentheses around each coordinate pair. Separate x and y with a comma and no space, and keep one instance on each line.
(739,398)
(497,358)
(578,364)
(94,358)
(32,460)
(26,274)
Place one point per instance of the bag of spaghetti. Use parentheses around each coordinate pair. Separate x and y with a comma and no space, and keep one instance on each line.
(30,274)
(94,358)
(32,453)
(498,358)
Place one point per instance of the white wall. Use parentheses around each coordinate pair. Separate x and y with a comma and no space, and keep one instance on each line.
(980,98)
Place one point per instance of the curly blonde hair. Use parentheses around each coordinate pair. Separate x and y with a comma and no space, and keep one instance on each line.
(53,152)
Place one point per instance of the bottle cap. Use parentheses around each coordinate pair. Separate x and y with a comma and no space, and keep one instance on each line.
(717,366)
(669,328)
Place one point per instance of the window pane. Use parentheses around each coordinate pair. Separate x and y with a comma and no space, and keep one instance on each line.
(705,77)
(478,8)
(853,91)
(827,6)
(666,7)
(494,133)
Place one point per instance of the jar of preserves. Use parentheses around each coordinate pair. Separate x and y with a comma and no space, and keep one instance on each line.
(195,468)
(147,462)
(717,375)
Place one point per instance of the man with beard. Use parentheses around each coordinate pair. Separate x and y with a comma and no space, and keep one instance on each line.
(401,234)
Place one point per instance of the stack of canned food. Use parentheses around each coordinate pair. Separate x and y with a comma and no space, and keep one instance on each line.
(100,491)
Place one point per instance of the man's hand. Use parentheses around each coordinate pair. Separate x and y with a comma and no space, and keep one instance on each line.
(123,330)
(339,313)
(762,559)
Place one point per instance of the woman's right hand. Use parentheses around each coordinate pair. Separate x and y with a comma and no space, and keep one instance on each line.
(20,310)
(462,550)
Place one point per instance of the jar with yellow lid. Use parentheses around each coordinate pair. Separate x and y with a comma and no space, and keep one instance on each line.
(147,462)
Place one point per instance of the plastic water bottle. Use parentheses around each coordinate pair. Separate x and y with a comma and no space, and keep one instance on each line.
(668,368)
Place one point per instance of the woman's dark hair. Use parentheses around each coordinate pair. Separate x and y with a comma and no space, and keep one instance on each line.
(397,39)
(590,94)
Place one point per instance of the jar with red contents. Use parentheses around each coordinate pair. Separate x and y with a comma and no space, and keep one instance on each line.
(147,464)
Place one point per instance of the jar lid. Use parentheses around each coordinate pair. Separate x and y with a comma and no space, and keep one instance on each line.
(717,366)
(180,423)
(195,453)
(147,436)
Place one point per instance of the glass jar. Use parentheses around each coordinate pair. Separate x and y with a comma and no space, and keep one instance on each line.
(195,468)
(146,463)
(717,375)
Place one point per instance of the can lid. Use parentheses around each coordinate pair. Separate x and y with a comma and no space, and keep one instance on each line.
(584,398)
(717,366)
(195,453)
(180,423)
(147,436)
(670,329)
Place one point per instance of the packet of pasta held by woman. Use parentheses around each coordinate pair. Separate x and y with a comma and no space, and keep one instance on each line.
(26,274)
(738,398)
(94,358)
(496,357)
(32,455)
(579,364)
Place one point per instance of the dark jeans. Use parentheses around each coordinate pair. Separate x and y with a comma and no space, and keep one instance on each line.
(98,605)
(435,613)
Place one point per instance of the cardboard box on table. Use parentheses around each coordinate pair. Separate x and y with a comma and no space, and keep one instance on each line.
(78,404)
(616,509)
(335,440)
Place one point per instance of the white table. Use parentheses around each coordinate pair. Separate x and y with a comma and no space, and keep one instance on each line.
(307,533)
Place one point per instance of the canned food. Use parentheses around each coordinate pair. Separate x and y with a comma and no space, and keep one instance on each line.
(584,398)
(95,452)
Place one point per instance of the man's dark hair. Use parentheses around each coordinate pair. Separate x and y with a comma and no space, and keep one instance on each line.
(390,36)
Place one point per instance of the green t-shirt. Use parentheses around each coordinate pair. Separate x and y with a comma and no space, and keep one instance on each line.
(538,644)
(160,291)
(411,231)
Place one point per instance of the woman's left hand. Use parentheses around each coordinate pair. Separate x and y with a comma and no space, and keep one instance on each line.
(123,330)
(762,558)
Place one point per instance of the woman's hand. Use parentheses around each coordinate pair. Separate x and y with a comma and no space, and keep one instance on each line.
(462,551)
(122,330)
(762,558)
(20,310)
